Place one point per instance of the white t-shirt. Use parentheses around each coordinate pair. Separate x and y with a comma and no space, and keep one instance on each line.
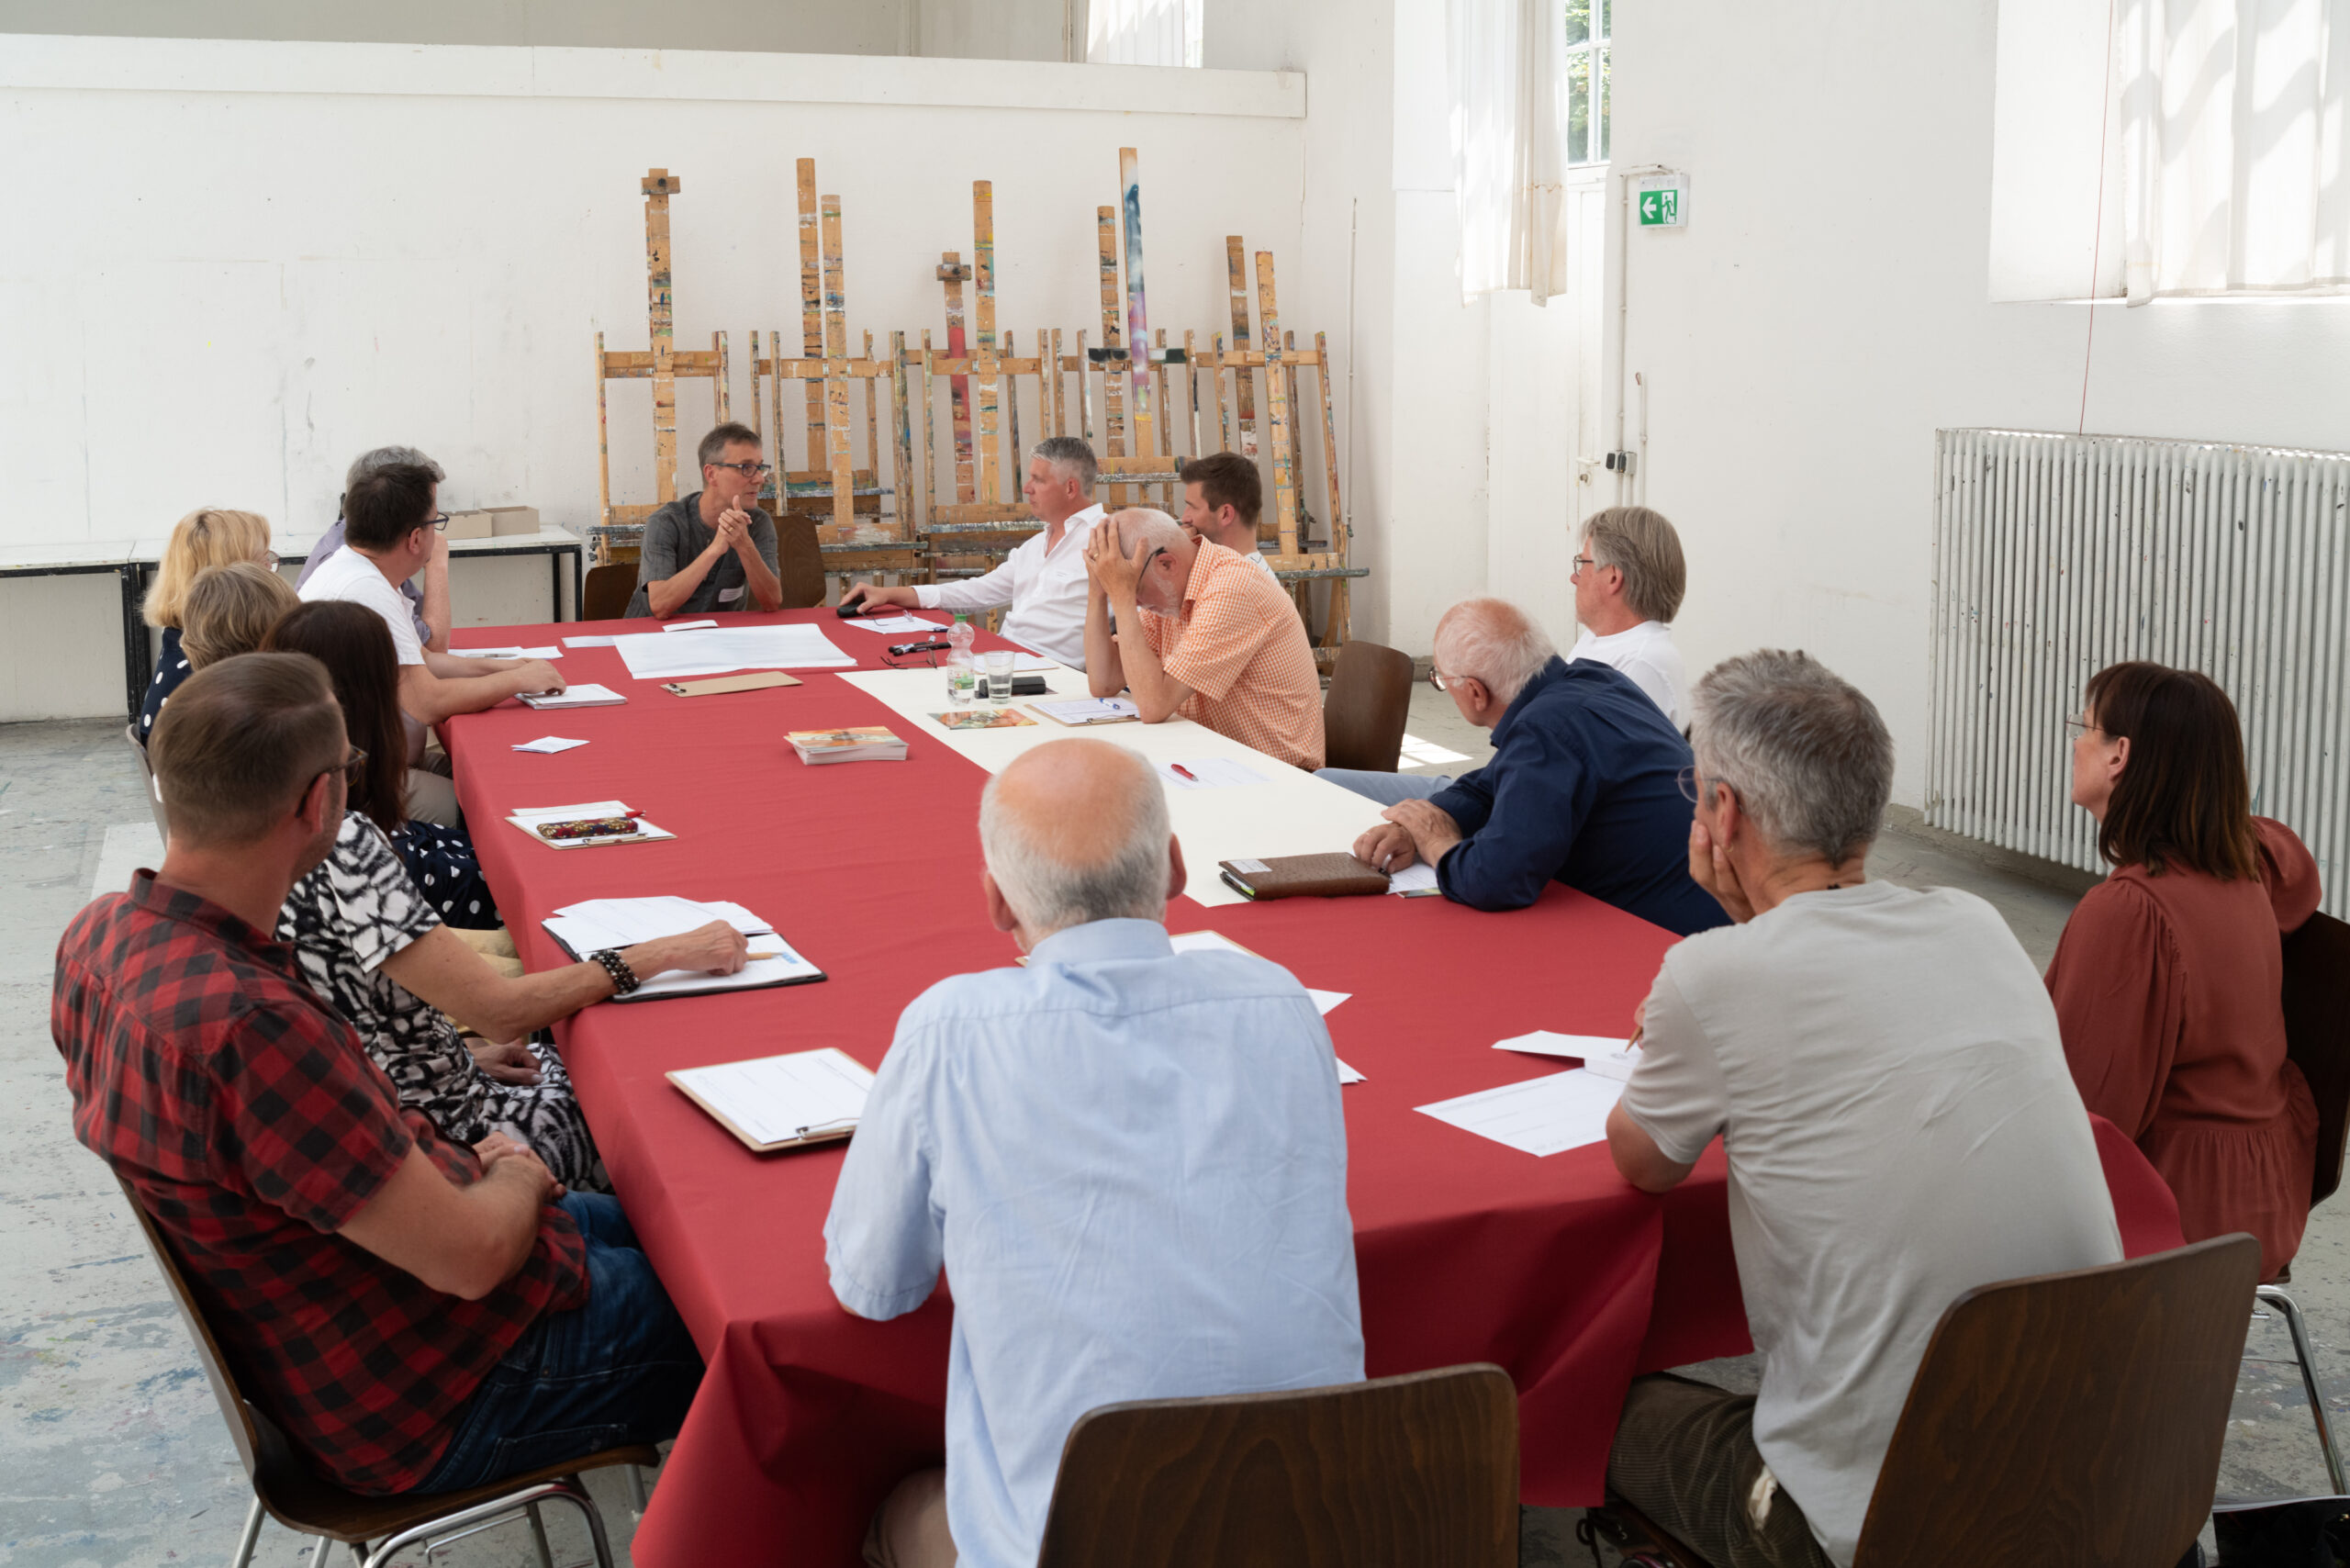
(1645,653)
(1262,564)
(1046,588)
(347,574)
(1884,1069)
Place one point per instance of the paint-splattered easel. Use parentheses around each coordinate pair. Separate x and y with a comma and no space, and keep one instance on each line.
(843,500)
(665,365)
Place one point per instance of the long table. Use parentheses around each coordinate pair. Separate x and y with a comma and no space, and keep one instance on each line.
(1466,1250)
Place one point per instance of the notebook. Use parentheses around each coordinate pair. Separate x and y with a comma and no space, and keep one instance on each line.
(785,1102)
(596,923)
(1090,711)
(587,824)
(1302,876)
(584,696)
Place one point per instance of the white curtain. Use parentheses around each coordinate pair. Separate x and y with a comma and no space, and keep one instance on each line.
(2235,148)
(1509,141)
(1144,32)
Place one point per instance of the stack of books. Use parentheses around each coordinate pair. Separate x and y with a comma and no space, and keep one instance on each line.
(872,744)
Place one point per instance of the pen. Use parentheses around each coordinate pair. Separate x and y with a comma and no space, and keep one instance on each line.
(1184,771)
(762,954)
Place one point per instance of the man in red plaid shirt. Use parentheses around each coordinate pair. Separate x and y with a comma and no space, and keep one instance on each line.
(415,1315)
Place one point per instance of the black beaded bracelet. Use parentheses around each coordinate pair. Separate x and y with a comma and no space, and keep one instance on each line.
(623,977)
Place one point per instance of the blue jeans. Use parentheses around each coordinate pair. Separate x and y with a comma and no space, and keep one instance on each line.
(621,1369)
(1387,789)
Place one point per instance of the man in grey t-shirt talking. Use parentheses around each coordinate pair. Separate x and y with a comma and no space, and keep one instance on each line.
(1884,1071)
(714,549)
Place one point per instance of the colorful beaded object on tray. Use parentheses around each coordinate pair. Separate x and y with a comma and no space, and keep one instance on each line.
(589,827)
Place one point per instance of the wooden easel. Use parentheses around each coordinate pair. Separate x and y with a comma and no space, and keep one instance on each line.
(843,500)
(664,364)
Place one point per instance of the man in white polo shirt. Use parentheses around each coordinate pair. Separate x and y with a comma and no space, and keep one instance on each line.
(1043,581)
(1628,578)
(390,520)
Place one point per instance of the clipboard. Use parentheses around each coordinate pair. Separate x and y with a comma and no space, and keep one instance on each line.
(717,685)
(809,1137)
(1045,710)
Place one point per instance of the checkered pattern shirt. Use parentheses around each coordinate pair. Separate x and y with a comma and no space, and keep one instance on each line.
(251,1125)
(1240,647)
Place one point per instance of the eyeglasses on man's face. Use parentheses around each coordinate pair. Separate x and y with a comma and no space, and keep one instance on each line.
(348,767)
(440,521)
(1689,778)
(748,470)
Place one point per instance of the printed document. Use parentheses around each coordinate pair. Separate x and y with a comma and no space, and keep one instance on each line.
(674,655)
(1542,1115)
(595,923)
(780,1099)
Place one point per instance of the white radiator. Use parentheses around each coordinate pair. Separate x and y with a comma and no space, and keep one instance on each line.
(2055,556)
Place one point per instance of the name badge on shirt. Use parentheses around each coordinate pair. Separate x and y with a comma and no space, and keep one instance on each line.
(727,596)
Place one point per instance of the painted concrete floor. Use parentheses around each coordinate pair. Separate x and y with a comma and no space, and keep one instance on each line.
(113,1452)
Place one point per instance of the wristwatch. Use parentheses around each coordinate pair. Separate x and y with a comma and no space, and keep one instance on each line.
(623,977)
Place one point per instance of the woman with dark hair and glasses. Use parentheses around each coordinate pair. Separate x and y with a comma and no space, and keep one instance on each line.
(2168,981)
(369,942)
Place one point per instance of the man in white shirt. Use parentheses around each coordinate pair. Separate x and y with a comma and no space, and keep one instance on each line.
(391,522)
(428,593)
(1222,494)
(1628,579)
(1131,1161)
(1043,579)
(1883,1069)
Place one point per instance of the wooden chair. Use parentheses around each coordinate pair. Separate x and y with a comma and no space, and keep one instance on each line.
(2071,1419)
(287,1490)
(147,778)
(1413,1472)
(800,562)
(1364,712)
(2317,1040)
(605,594)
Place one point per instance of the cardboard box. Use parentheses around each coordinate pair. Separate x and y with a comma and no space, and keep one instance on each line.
(471,525)
(513,519)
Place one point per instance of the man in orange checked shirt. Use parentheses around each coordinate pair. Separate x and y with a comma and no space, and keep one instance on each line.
(1202,633)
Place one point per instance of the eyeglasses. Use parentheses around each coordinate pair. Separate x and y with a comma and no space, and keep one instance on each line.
(440,521)
(1689,778)
(348,766)
(2078,725)
(269,559)
(748,470)
(1582,564)
(1436,678)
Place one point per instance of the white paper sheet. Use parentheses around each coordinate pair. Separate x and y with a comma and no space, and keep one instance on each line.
(677,656)
(687,625)
(776,1099)
(1209,773)
(1089,710)
(584,694)
(1326,1000)
(549,745)
(895,623)
(1206,942)
(589,642)
(1549,1042)
(595,923)
(506,652)
(1543,1116)
(1416,878)
(1347,1074)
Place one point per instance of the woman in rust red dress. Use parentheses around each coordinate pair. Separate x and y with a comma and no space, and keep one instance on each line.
(2167,980)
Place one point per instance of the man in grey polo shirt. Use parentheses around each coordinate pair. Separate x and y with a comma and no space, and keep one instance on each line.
(714,549)
(1884,1071)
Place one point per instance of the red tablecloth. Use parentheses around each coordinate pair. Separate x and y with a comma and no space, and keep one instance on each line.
(1467,1250)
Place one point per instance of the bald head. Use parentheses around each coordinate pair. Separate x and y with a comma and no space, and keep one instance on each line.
(1493,641)
(1076,831)
(1164,579)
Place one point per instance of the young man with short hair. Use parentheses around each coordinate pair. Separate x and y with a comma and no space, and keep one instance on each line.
(714,549)
(1222,494)
(415,1315)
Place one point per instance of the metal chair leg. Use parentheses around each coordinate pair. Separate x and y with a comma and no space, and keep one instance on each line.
(578,1498)
(635,1491)
(539,1537)
(2270,1295)
(526,1500)
(249,1535)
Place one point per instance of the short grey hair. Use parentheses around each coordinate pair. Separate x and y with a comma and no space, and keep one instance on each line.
(731,433)
(1147,525)
(1806,752)
(1493,640)
(1639,543)
(1072,458)
(1047,892)
(367,463)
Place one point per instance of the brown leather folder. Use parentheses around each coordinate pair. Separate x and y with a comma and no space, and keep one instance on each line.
(1302,876)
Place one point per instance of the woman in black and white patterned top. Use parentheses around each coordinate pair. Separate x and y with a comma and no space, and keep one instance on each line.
(370,944)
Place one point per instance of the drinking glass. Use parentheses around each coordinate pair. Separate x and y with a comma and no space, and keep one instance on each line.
(1000,663)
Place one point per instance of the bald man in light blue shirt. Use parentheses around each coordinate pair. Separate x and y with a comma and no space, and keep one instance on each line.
(1131,1162)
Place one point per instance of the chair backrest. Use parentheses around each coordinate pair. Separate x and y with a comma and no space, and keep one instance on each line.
(146,777)
(1419,1470)
(605,594)
(2071,1419)
(2317,1035)
(1364,711)
(800,562)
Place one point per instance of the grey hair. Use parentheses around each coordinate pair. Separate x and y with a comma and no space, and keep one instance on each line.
(1072,458)
(1806,752)
(1639,543)
(1049,894)
(367,463)
(731,433)
(1493,640)
(1147,525)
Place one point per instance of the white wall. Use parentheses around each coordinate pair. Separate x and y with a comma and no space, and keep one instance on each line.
(255,260)
(1826,309)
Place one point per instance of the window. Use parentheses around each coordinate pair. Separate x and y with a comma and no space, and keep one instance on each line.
(1586,71)
(1145,32)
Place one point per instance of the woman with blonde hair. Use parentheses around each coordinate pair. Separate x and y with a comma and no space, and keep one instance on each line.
(209,536)
(229,610)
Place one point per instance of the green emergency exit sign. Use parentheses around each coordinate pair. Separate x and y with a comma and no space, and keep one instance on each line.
(1661,200)
(1660,206)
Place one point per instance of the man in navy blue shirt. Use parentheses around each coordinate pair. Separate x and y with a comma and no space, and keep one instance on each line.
(1584,787)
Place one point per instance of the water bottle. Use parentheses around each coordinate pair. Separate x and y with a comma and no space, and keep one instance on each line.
(962,673)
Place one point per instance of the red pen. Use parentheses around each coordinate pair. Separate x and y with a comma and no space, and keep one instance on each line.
(1184,771)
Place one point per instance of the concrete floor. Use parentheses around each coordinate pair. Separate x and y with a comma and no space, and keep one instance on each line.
(112,1451)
